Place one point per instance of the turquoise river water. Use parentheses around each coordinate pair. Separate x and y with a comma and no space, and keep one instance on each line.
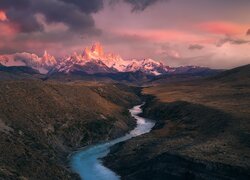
(87,161)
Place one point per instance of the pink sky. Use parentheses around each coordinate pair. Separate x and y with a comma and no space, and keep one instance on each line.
(177,32)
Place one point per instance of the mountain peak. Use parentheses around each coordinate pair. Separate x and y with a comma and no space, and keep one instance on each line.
(48,60)
(92,60)
(97,49)
(95,57)
(45,53)
(43,64)
(94,52)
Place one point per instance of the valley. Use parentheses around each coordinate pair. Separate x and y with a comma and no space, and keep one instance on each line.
(124,90)
(42,122)
(201,132)
(86,162)
(202,125)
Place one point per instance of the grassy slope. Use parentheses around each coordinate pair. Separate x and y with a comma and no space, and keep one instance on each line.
(41,122)
(228,91)
(201,121)
(230,146)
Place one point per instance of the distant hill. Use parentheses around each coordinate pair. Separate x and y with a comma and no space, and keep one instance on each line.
(136,78)
(19,69)
(18,72)
(241,73)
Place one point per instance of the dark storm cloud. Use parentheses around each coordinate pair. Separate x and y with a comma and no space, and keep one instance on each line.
(195,47)
(140,5)
(137,5)
(87,6)
(76,14)
(67,13)
(17,4)
(23,20)
(234,41)
(248,32)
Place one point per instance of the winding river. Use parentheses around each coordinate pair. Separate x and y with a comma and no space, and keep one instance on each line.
(87,163)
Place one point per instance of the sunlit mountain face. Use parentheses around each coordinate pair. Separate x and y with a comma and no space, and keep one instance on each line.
(97,61)
(212,33)
(92,60)
(42,64)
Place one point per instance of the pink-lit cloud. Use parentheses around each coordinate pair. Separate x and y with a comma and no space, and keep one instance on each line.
(161,35)
(3,16)
(220,27)
(130,29)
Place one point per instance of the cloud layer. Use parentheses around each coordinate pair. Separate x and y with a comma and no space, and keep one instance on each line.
(248,32)
(141,4)
(132,28)
(75,14)
(195,47)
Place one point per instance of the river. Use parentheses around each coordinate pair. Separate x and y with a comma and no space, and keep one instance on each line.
(87,161)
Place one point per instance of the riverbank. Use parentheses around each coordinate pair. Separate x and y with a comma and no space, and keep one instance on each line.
(184,146)
(201,132)
(86,162)
(42,122)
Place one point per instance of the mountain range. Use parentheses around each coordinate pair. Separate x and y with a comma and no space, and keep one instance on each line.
(93,61)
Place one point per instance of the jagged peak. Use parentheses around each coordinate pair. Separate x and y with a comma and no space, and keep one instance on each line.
(45,53)
(97,49)
(93,56)
(94,52)
(47,59)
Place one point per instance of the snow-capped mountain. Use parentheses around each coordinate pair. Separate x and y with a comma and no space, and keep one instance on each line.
(76,63)
(94,60)
(148,66)
(42,64)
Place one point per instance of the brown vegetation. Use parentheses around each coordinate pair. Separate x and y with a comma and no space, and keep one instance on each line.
(202,131)
(41,122)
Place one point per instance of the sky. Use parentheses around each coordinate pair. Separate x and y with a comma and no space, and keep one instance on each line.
(212,33)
